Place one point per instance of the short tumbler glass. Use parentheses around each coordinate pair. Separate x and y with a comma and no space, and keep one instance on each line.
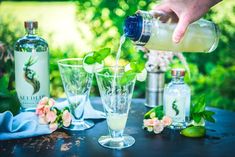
(77,83)
(116,98)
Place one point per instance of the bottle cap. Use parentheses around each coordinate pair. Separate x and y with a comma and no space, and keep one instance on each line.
(133,27)
(138,27)
(178,72)
(31,24)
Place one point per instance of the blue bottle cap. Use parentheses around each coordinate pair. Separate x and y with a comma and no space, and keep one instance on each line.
(133,27)
(138,27)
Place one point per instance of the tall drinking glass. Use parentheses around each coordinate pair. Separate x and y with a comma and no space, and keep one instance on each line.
(116,97)
(77,83)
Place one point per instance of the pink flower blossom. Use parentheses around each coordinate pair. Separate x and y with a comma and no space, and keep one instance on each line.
(150,122)
(40,109)
(43,101)
(42,119)
(51,116)
(166,121)
(51,102)
(158,127)
(53,126)
(66,118)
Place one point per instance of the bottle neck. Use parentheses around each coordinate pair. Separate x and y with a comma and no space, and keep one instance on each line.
(138,27)
(31,32)
(178,80)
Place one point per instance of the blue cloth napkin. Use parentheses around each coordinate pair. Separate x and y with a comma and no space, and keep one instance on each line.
(25,124)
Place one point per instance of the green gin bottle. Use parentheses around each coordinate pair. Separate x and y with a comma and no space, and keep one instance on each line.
(31,54)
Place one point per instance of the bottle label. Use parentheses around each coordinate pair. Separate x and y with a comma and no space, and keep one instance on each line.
(32,77)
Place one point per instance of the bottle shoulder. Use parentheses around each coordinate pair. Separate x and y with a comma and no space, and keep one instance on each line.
(177,87)
(29,43)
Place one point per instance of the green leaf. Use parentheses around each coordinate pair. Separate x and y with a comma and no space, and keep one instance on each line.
(159,114)
(101,54)
(208,116)
(133,66)
(127,77)
(200,105)
(90,60)
(137,66)
(208,113)
(104,52)
(210,119)
(140,67)
(197,117)
(157,111)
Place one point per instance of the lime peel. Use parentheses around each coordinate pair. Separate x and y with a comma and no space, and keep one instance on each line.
(194,131)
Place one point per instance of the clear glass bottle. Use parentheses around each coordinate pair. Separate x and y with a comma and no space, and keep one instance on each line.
(31,54)
(176,100)
(146,30)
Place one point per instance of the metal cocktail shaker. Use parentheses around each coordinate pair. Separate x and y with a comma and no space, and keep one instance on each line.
(154,88)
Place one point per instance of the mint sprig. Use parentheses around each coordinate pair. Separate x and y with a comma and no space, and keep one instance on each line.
(127,77)
(98,56)
(136,67)
(199,112)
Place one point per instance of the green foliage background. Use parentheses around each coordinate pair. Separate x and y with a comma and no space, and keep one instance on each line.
(212,74)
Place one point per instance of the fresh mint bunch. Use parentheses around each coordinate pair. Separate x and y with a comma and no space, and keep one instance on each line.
(98,56)
(199,112)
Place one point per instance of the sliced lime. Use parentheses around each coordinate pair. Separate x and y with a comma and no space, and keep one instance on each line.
(194,131)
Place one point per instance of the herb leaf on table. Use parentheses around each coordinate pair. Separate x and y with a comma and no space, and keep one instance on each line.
(198,111)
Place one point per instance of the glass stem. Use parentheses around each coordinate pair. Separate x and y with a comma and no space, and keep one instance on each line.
(116,135)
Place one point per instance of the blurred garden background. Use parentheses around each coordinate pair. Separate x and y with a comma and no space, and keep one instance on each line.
(73,28)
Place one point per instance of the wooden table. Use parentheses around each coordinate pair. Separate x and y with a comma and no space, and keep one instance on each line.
(219,140)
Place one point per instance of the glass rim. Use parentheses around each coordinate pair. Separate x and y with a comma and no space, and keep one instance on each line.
(60,62)
(98,73)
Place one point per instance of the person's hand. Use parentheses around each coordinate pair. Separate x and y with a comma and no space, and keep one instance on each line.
(184,12)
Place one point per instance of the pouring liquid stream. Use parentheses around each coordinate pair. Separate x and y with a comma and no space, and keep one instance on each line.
(122,40)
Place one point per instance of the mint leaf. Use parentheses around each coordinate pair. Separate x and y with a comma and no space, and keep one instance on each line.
(105,52)
(208,113)
(137,66)
(98,56)
(200,105)
(197,118)
(208,116)
(127,77)
(140,67)
(90,60)
(159,114)
(209,119)
(101,54)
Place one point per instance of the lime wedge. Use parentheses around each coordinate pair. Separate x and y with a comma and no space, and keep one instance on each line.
(142,76)
(194,131)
